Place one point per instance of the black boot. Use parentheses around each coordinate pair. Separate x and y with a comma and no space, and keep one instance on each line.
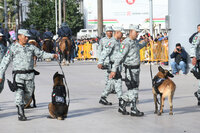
(21,116)
(104,101)
(122,107)
(135,111)
(198,97)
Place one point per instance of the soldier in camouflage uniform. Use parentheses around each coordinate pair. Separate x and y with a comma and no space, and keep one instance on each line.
(101,47)
(111,52)
(130,57)
(195,55)
(2,53)
(21,54)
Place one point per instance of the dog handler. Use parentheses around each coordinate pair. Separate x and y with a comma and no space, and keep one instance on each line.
(130,56)
(195,55)
(111,51)
(21,54)
(104,41)
(2,53)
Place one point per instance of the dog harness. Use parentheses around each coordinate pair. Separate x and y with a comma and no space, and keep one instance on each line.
(59,95)
(157,81)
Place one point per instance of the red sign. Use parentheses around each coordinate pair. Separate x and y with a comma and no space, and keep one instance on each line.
(130,2)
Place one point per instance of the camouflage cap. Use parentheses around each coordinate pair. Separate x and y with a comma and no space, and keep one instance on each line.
(134,27)
(109,28)
(24,32)
(117,29)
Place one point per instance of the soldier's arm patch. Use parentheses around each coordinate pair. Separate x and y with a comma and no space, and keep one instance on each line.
(108,45)
(195,39)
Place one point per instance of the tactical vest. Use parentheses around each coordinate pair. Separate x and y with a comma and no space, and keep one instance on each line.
(59,95)
(157,82)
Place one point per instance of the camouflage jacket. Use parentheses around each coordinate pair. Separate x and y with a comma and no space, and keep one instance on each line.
(22,59)
(195,47)
(101,47)
(2,51)
(111,51)
(129,53)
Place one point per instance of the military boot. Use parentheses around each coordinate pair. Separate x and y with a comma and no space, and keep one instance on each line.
(135,111)
(122,107)
(104,101)
(21,116)
(198,97)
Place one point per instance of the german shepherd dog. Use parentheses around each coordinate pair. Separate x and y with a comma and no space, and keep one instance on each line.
(164,86)
(58,108)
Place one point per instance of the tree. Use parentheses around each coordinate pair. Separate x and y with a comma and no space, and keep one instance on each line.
(73,16)
(10,12)
(42,15)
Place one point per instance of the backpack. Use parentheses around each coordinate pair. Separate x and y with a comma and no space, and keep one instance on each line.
(59,95)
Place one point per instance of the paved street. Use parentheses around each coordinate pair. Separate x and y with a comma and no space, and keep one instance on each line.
(86,115)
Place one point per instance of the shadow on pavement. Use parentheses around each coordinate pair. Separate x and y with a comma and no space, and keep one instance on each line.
(88,111)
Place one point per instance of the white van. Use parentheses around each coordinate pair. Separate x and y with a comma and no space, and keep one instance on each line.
(87,33)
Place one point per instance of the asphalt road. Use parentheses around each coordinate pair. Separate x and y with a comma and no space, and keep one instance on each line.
(86,115)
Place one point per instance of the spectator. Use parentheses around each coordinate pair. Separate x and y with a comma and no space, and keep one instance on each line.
(157,37)
(161,37)
(165,36)
(180,62)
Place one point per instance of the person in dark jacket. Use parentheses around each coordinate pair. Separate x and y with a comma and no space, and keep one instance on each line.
(48,34)
(35,35)
(64,31)
(180,62)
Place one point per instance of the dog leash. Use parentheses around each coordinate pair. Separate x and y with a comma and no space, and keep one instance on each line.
(64,78)
(151,74)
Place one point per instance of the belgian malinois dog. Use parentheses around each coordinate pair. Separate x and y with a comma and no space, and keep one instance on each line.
(164,86)
(58,108)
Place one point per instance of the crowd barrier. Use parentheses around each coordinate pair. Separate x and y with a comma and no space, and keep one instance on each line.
(153,52)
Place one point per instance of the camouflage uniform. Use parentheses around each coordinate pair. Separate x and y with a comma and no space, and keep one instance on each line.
(104,41)
(22,59)
(2,53)
(111,52)
(195,52)
(130,55)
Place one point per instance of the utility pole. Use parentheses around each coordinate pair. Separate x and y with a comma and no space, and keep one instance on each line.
(100,17)
(60,13)
(56,12)
(5,13)
(64,11)
(151,16)
(16,17)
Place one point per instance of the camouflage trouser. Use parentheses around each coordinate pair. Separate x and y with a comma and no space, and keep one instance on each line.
(132,93)
(22,97)
(106,83)
(112,84)
(2,84)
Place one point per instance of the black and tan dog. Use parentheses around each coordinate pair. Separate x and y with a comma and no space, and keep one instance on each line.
(58,108)
(165,87)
